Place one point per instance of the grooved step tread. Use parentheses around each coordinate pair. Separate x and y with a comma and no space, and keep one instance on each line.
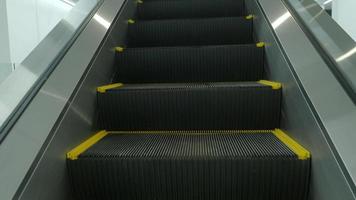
(189,146)
(238,105)
(190,64)
(189,9)
(210,165)
(190,32)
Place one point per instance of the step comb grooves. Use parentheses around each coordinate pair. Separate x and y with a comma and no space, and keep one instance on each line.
(198,146)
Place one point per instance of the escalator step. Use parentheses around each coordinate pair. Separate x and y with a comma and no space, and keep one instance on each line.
(189,9)
(190,64)
(195,106)
(231,165)
(190,32)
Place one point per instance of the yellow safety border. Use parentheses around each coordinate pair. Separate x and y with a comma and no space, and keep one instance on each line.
(260,44)
(102,89)
(274,85)
(300,151)
(139,1)
(248,17)
(119,49)
(74,153)
(131,21)
(195,132)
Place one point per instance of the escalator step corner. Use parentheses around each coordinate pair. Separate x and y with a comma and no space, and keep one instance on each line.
(299,150)
(74,153)
(274,85)
(104,88)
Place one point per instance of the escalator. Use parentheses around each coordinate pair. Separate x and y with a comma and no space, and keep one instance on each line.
(190,113)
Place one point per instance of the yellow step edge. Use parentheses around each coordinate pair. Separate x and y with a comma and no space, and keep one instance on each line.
(119,49)
(274,85)
(249,17)
(74,153)
(192,131)
(260,44)
(131,21)
(102,89)
(300,151)
(139,2)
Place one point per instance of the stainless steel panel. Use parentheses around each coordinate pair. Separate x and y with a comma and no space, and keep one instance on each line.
(307,81)
(33,154)
(76,123)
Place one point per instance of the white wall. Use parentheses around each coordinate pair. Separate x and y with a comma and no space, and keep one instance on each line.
(344,13)
(4,35)
(5,62)
(29,21)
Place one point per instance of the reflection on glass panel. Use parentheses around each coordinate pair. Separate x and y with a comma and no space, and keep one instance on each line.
(335,33)
(30,21)
(326,5)
(23,25)
(33,34)
(5,70)
(343,12)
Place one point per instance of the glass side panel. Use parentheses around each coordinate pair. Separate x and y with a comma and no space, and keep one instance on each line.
(34,34)
(343,13)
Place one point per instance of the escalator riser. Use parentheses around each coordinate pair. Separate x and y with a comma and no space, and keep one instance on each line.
(190,64)
(190,107)
(190,167)
(184,32)
(189,9)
